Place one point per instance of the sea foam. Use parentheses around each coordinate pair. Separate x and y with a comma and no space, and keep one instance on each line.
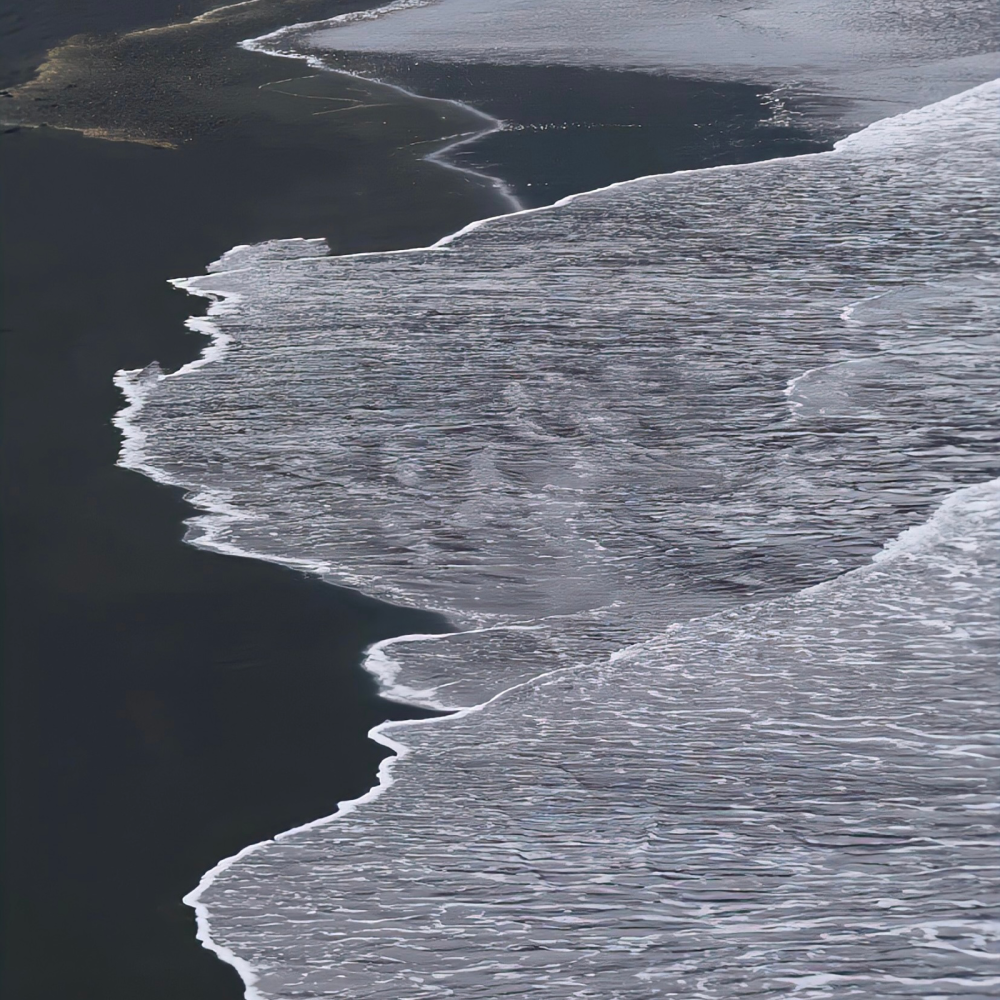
(598,409)
(703,399)
(796,797)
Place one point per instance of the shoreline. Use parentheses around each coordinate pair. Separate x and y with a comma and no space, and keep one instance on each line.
(379,734)
(216,513)
(168,701)
(385,777)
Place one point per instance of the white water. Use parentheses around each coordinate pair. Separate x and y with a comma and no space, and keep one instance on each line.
(681,400)
(583,410)
(793,798)
(650,404)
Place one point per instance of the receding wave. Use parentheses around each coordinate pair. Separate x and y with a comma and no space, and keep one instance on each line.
(686,399)
(877,56)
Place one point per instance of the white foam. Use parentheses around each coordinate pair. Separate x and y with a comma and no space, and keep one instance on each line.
(371,357)
(366,420)
(471,870)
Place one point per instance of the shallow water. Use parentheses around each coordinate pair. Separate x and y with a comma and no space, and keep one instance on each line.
(653,400)
(878,58)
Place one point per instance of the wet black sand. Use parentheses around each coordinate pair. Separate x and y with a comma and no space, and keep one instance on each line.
(29,29)
(567,129)
(165,706)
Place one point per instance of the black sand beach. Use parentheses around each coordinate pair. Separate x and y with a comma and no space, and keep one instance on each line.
(165,706)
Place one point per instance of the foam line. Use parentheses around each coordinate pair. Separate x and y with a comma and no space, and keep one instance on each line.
(372,14)
(218,513)
(979,495)
(383,782)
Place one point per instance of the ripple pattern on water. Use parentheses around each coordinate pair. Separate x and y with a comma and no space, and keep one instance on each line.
(689,399)
(659,399)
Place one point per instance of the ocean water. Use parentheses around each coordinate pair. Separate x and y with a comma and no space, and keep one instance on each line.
(644,449)
(644,404)
(879,57)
